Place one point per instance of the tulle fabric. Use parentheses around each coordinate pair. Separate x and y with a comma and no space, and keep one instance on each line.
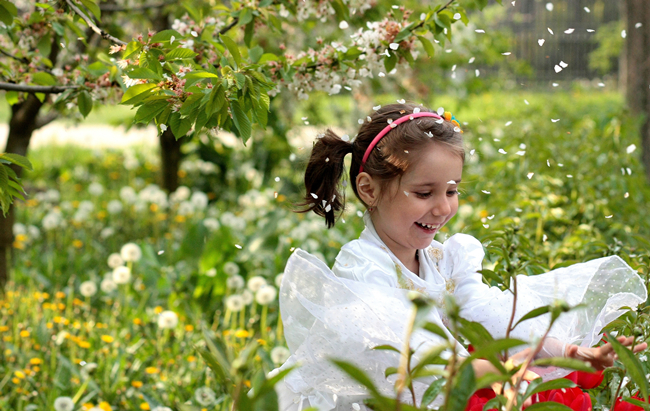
(362,303)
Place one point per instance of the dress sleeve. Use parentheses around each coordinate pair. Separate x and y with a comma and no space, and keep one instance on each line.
(366,262)
(603,287)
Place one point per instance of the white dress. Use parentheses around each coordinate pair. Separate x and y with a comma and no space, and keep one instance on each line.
(361,303)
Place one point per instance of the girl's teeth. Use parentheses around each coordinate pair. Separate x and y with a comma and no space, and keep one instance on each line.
(430,227)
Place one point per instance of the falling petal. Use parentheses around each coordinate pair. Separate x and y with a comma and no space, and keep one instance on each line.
(416,110)
(624,34)
(343,25)
(530,175)
(569,31)
(277,179)
(324,202)
(485,192)
(238,246)
(526,101)
(549,30)
(440,111)
(401,101)
(314,195)
(555,84)
(549,6)
(630,149)
(471,60)
(626,195)
(451,182)
(548,163)
(327,160)
(587,10)
(345,137)
(161,252)
(590,30)
(521,152)
(502,151)
(601,84)
(544,238)
(638,25)
(393,46)
(563,64)
(407,193)
(569,176)
(519,210)
(360,121)
(480,31)
(486,225)
(508,123)
(490,217)
(457,16)
(328,208)
(609,216)
(471,152)
(429,134)
(381,74)
(629,171)
(541,42)
(557,68)
(507,53)
(555,120)
(478,73)
(376,108)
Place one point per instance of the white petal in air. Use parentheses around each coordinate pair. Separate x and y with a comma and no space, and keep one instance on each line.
(401,101)
(451,182)
(549,30)
(555,120)
(480,31)
(530,175)
(590,30)
(630,149)
(638,25)
(407,193)
(563,64)
(314,195)
(502,151)
(343,25)
(587,10)
(508,123)
(345,137)
(416,110)
(526,101)
(549,6)
(485,191)
(471,152)
(507,53)
(478,73)
(624,34)
(376,108)
(541,42)
(393,46)
(557,68)
(328,208)
(609,216)
(569,31)
(471,60)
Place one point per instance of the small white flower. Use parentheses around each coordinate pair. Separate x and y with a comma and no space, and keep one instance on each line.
(167,319)
(247,296)
(96,189)
(231,268)
(235,303)
(63,404)
(161,408)
(278,280)
(108,285)
(205,396)
(211,272)
(266,295)
(88,288)
(131,252)
(235,282)
(121,275)
(115,260)
(280,354)
(255,283)
(199,200)
(114,207)
(211,224)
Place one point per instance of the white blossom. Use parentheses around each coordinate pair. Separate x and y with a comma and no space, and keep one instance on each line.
(131,252)
(88,288)
(167,319)
(255,283)
(205,396)
(108,285)
(235,303)
(63,404)
(235,282)
(115,260)
(266,295)
(231,268)
(96,189)
(280,354)
(121,275)
(114,207)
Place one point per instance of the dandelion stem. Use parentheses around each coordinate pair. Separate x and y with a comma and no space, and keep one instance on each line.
(265,310)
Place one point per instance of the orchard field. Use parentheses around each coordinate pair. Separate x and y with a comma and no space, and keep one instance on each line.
(125,297)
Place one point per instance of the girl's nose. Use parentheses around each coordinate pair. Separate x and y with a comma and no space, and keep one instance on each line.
(441,207)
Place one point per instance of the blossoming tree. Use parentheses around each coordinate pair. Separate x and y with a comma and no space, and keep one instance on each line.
(216,67)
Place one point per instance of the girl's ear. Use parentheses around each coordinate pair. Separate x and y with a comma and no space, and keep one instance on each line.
(368,189)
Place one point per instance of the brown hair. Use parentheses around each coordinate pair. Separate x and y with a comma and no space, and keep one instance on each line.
(390,158)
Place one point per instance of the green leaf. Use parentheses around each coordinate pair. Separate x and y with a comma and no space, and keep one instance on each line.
(632,365)
(200,74)
(44,79)
(165,36)
(12,97)
(386,347)
(390,371)
(255,54)
(85,103)
(548,406)
(44,45)
(132,48)
(180,54)
(497,346)
(241,120)
(550,385)
(462,389)
(144,73)
(240,79)
(17,159)
(180,126)
(268,57)
(137,93)
(390,62)
(428,46)
(561,362)
(533,314)
(7,12)
(93,7)
(217,98)
(215,366)
(432,392)
(342,11)
(148,111)
(232,48)
(245,16)
(357,374)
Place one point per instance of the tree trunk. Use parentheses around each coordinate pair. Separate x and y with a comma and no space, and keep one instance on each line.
(637,54)
(170,159)
(23,122)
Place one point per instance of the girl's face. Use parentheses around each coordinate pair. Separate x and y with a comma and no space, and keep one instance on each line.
(414,208)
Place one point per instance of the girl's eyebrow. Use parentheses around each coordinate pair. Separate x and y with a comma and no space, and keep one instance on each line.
(435,184)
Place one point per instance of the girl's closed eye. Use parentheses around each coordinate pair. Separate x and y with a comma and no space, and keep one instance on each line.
(453,193)
(423,195)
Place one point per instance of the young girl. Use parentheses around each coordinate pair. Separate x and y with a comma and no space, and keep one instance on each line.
(406,168)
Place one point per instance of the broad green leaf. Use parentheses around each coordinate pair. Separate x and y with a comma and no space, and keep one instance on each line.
(255,53)
(386,347)
(165,36)
(462,389)
(11,97)
(632,365)
(17,159)
(390,371)
(180,54)
(132,48)
(148,111)
(144,73)
(137,93)
(390,62)
(43,78)
(561,362)
(217,98)
(4,178)
(556,384)
(432,392)
(241,120)
(428,46)
(245,16)
(7,13)
(232,48)
(85,103)
(533,314)
(180,126)
(93,7)
(341,9)
(268,57)
(240,79)
(200,74)
(44,45)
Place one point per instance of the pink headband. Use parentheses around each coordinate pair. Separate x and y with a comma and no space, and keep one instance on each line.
(391,126)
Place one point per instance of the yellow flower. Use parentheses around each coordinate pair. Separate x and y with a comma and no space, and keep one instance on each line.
(151,370)
(75,380)
(136,384)
(61,306)
(83,344)
(189,327)
(241,334)
(261,341)
(59,294)
(107,339)
(105,406)
(87,406)
(137,321)
(35,361)
(153,207)
(24,333)
(19,374)
(158,310)
(191,358)
(36,368)
(179,218)
(4,328)
(15,380)
(17,244)
(145,406)
(45,295)
(77,301)
(77,243)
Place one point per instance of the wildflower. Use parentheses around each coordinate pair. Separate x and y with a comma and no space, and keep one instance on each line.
(278,280)
(167,319)
(161,408)
(211,224)
(107,339)
(35,361)
(231,268)
(122,275)
(199,200)
(182,193)
(255,283)
(205,396)
(151,370)
(24,333)
(114,207)
(265,295)
(96,189)
(247,296)
(136,384)
(279,355)
(145,406)
(211,272)
(189,328)
(108,285)
(131,252)
(88,288)
(115,260)
(235,282)
(63,404)
(242,334)
(235,303)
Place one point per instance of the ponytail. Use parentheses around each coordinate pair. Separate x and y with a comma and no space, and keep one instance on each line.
(323,175)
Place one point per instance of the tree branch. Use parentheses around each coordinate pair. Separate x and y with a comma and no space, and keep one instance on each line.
(93,26)
(43,120)
(23,60)
(35,89)
(445,6)
(115,7)
(228,27)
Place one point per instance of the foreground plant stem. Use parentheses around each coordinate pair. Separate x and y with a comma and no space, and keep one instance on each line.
(404,367)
